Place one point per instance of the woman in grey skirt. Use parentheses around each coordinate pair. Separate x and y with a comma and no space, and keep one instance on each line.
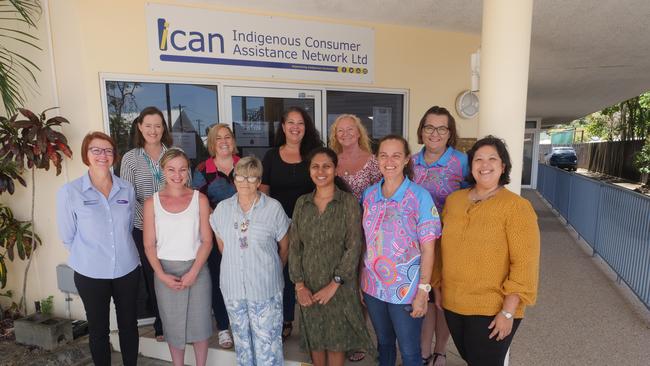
(177,241)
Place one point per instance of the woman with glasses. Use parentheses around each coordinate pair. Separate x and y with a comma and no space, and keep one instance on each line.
(286,177)
(141,167)
(441,170)
(401,226)
(251,230)
(214,178)
(177,241)
(95,219)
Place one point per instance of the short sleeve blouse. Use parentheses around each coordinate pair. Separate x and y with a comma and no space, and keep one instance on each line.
(395,227)
(287,181)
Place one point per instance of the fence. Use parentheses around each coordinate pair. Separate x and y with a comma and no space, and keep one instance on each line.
(615,222)
(613,158)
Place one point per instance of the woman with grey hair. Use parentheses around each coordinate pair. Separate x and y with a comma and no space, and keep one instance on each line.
(251,230)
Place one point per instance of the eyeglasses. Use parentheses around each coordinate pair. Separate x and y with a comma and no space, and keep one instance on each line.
(442,130)
(100,151)
(242,178)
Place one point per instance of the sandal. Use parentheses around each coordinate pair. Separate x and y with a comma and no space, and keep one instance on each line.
(427,360)
(225,339)
(287,328)
(357,356)
(441,356)
(160,338)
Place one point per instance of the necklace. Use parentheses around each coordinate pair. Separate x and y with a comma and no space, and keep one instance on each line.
(476,198)
(245,223)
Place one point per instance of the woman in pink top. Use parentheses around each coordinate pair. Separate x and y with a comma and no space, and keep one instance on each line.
(357,165)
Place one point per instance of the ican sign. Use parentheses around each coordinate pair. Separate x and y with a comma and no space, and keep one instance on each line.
(200,41)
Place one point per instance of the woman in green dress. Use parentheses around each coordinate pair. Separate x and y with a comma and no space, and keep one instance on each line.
(324,252)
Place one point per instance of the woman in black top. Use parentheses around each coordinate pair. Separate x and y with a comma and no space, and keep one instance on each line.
(286,177)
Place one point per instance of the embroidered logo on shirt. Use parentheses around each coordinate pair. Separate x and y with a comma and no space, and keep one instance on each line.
(122,202)
(90,202)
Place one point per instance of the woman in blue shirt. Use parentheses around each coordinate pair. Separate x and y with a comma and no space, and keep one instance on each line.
(95,219)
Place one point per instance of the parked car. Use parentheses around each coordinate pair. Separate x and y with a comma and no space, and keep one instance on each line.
(563,157)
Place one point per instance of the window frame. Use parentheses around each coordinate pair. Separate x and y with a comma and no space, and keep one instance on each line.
(221,83)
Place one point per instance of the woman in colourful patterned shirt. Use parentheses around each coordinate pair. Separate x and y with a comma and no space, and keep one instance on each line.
(357,165)
(441,170)
(401,226)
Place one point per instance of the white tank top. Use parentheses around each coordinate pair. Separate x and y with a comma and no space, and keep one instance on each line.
(177,234)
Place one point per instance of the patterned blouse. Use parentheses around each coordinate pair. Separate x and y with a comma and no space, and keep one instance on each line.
(365,177)
(395,227)
(443,176)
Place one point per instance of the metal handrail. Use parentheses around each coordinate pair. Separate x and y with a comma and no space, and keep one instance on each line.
(614,221)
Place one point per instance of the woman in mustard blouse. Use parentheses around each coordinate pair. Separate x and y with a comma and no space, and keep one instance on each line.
(490,258)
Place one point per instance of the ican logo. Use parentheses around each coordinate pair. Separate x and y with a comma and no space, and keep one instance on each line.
(183,40)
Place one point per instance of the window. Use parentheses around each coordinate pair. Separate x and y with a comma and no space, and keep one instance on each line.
(189,110)
(381,113)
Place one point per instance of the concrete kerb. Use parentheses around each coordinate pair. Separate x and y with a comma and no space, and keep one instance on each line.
(637,306)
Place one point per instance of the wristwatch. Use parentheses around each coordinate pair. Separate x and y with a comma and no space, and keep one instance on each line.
(506,314)
(425,287)
(338,280)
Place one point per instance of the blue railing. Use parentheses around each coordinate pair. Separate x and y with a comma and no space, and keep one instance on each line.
(614,221)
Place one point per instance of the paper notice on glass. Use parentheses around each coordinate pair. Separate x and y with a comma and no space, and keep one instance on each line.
(186,141)
(251,134)
(381,118)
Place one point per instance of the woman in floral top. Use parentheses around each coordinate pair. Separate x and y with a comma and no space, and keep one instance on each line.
(357,165)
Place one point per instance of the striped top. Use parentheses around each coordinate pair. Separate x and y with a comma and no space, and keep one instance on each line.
(145,175)
(253,271)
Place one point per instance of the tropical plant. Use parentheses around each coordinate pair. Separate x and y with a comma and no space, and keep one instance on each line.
(642,160)
(47,305)
(35,144)
(16,70)
(16,238)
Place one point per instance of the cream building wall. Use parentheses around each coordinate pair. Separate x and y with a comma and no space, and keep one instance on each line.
(90,37)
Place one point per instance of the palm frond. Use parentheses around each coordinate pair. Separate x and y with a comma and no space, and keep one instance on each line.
(17,71)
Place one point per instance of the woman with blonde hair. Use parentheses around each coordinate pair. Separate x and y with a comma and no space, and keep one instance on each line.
(357,165)
(215,178)
(177,241)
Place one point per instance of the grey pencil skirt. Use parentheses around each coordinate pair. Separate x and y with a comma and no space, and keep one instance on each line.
(185,314)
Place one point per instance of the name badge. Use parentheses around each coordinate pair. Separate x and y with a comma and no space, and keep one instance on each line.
(90,202)
(122,202)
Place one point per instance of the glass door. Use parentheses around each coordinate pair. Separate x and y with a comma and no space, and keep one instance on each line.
(255,114)
(529,168)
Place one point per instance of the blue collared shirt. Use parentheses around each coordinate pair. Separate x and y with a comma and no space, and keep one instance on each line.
(97,230)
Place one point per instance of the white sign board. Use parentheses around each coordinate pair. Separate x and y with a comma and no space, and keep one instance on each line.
(194,40)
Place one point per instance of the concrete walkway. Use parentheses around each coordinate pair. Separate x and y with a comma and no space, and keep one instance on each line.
(582,316)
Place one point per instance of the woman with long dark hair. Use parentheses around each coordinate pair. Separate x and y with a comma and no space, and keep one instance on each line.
(141,167)
(286,177)
(326,242)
